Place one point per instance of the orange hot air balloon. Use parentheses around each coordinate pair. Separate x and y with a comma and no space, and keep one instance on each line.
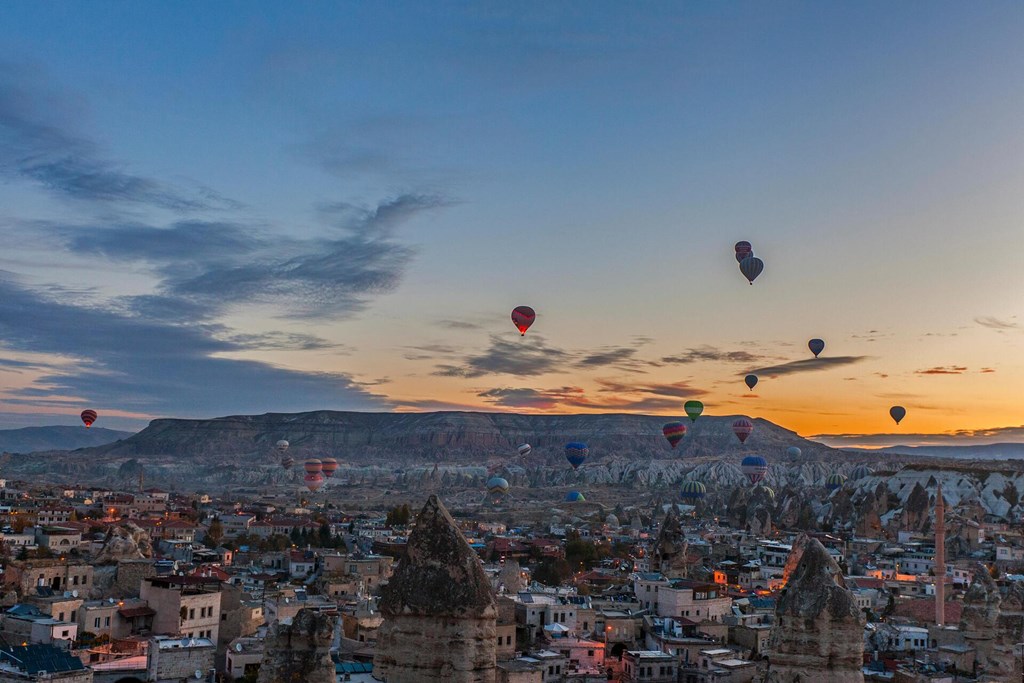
(330,466)
(523,317)
(313,466)
(314,482)
(88,417)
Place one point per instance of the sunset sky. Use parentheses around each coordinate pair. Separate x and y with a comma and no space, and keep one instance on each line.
(234,208)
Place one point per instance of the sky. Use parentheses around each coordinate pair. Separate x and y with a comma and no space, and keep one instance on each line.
(240,207)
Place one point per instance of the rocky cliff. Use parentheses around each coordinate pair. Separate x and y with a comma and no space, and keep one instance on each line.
(818,634)
(299,650)
(439,612)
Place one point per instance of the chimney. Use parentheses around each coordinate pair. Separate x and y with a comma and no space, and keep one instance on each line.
(940,558)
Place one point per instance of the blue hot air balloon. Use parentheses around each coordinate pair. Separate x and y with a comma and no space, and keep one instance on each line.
(754,468)
(751,267)
(816,346)
(751,381)
(692,490)
(793,452)
(574,497)
(576,452)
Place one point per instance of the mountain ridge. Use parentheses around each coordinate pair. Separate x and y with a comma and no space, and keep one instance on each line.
(56,438)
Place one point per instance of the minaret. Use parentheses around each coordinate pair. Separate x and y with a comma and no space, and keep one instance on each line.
(940,558)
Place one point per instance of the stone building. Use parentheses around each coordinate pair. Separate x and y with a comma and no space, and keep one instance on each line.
(184,605)
(170,660)
(818,633)
(26,575)
(439,612)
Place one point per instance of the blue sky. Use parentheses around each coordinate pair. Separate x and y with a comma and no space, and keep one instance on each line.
(248,207)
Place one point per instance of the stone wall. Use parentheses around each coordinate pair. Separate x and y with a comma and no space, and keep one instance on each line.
(130,574)
(299,651)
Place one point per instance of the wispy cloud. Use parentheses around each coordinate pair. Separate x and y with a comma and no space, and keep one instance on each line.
(961,437)
(610,396)
(512,357)
(711,354)
(39,145)
(806,365)
(942,370)
(994,323)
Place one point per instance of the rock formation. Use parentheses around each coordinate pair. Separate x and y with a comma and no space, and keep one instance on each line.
(299,650)
(669,556)
(439,613)
(979,619)
(818,632)
(127,542)
(511,576)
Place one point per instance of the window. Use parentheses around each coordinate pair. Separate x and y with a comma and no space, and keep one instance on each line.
(224,616)
(96,623)
(74,615)
(74,580)
(64,634)
(85,579)
(106,621)
(590,653)
(192,613)
(60,616)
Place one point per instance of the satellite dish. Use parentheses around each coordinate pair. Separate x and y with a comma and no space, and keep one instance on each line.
(74,593)
(238,647)
(199,674)
(110,600)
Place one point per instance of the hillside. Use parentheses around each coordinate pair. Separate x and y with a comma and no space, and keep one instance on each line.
(30,439)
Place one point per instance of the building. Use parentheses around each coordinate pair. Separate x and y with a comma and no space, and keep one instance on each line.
(170,660)
(184,605)
(649,666)
(41,663)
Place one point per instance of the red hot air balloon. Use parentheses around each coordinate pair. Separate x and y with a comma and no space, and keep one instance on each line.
(743,250)
(314,482)
(674,432)
(88,417)
(742,428)
(313,466)
(523,317)
(329,466)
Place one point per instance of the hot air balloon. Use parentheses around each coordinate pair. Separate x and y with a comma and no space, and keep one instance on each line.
(576,452)
(898,413)
(816,346)
(287,462)
(692,490)
(751,267)
(524,449)
(835,481)
(793,452)
(329,465)
(313,466)
(523,317)
(497,486)
(674,432)
(743,250)
(282,445)
(693,409)
(314,481)
(860,472)
(88,417)
(754,468)
(751,381)
(574,497)
(742,428)
(761,488)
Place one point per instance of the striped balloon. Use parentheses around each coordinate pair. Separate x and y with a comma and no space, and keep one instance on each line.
(693,409)
(835,481)
(754,467)
(313,466)
(88,417)
(674,432)
(861,472)
(525,449)
(328,466)
(523,317)
(743,250)
(497,486)
(287,462)
(282,445)
(576,452)
(692,490)
(761,488)
(751,267)
(742,428)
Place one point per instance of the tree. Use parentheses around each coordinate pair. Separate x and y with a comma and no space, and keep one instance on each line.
(325,535)
(399,515)
(552,572)
(215,533)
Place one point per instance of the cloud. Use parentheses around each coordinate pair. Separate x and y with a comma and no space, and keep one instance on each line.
(961,437)
(457,325)
(654,398)
(806,365)
(710,353)
(943,370)
(149,367)
(986,370)
(994,323)
(620,357)
(38,144)
(526,358)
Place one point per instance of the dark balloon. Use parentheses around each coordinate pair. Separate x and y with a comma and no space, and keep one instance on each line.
(816,346)
(88,417)
(751,267)
(751,381)
(287,462)
(835,481)
(576,452)
(674,432)
(743,250)
(523,317)
(329,466)
(692,490)
(897,413)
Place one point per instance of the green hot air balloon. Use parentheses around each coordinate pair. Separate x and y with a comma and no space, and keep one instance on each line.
(693,409)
